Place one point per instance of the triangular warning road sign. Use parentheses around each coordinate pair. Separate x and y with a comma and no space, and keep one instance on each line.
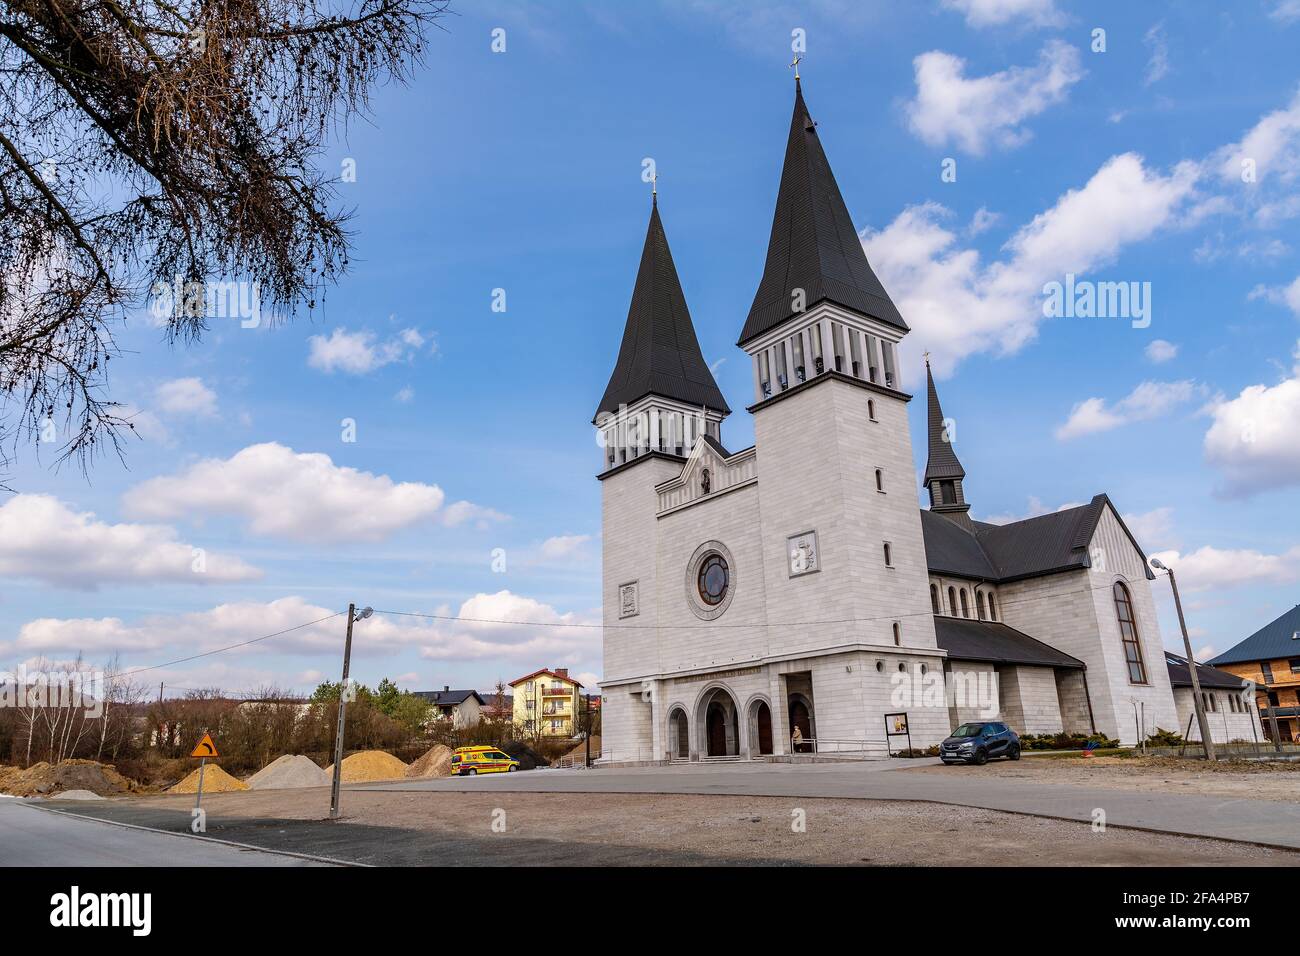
(205,747)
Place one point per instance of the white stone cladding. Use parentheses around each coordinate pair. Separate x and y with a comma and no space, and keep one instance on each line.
(1225,724)
(1072,694)
(1114,559)
(1029,701)
(972,683)
(628,505)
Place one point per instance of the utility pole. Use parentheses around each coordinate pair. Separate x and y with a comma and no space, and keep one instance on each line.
(343,706)
(1201,720)
(586,707)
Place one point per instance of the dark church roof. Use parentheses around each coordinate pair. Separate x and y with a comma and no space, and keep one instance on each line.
(1278,639)
(1210,677)
(813,245)
(997,643)
(942,460)
(660,354)
(1030,548)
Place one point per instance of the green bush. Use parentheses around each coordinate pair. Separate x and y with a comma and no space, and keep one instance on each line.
(1066,742)
(1164,738)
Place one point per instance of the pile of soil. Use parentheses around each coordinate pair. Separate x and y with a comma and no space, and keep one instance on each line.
(43,779)
(76,795)
(215,780)
(436,762)
(580,752)
(369,765)
(287,773)
(529,759)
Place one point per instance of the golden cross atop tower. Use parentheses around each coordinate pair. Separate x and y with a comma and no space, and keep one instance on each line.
(794,65)
(654,183)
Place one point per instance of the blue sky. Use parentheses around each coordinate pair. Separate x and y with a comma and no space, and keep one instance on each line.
(521,171)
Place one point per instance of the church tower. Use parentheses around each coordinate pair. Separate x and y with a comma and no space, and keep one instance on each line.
(943,472)
(830,423)
(661,397)
(660,402)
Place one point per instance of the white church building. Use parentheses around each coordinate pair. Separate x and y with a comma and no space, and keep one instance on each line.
(798,584)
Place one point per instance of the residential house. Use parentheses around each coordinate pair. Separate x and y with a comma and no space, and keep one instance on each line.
(1271,658)
(546,702)
(1228,703)
(464,708)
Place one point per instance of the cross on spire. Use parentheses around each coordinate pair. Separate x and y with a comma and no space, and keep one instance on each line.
(794,65)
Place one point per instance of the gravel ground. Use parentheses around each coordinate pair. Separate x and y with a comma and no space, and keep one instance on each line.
(1236,778)
(457,828)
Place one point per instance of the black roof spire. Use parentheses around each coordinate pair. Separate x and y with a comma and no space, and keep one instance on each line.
(813,246)
(942,462)
(660,354)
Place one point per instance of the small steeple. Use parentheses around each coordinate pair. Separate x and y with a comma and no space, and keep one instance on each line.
(813,245)
(943,472)
(660,355)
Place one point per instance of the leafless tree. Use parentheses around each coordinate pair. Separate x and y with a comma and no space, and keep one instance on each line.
(146,143)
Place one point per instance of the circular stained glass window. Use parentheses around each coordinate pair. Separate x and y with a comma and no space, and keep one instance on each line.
(713,579)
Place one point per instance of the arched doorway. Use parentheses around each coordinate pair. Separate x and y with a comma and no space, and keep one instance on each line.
(760,728)
(801,718)
(679,735)
(719,721)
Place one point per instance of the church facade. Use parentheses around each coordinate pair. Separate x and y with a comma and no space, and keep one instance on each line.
(794,595)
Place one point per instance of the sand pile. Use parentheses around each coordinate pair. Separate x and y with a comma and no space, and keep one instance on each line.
(43,779)
(370,765)
(435,762)
(215,780)
(580,752)
(289,772)
(76,795)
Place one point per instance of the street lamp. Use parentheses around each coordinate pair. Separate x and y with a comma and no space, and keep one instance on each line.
(1191,662)
(353,616)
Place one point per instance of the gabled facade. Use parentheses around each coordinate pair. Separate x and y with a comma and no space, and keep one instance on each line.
(546,702)
(793,596)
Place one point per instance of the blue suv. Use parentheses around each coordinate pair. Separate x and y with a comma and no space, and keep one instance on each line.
(977,742)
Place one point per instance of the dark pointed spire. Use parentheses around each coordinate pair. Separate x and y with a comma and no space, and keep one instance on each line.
(813,246)
(660,354)
(943,471)
(942,462)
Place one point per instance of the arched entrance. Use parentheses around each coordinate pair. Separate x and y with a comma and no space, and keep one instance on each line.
(801,718)
(679,734)
(719,720)
(760,728)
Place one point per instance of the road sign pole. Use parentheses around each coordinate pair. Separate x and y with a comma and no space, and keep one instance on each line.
(343,706)
(203,761)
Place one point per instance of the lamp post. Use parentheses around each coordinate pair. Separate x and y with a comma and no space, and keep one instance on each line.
(1191,662)
(353,615)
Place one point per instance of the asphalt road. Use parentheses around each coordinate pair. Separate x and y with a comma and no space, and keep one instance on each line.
(34,837)
(1268,822)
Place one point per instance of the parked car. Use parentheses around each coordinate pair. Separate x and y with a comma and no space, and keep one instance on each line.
(977,742)
(470,761)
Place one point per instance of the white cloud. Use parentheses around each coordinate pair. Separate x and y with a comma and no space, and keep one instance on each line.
(1158,66)
(982,221)
(1210,567)
(379,635)
(404,395)
(1254,440)
(357,353)
(278,491)
(1158,351)
(564,546)
(1149,400)
(186,396)
(1285,11)
(1152,528)
(958,306)
(1273,144)
(982,111)
(461,512)
(992,13)
(1287,295)
(42,539)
